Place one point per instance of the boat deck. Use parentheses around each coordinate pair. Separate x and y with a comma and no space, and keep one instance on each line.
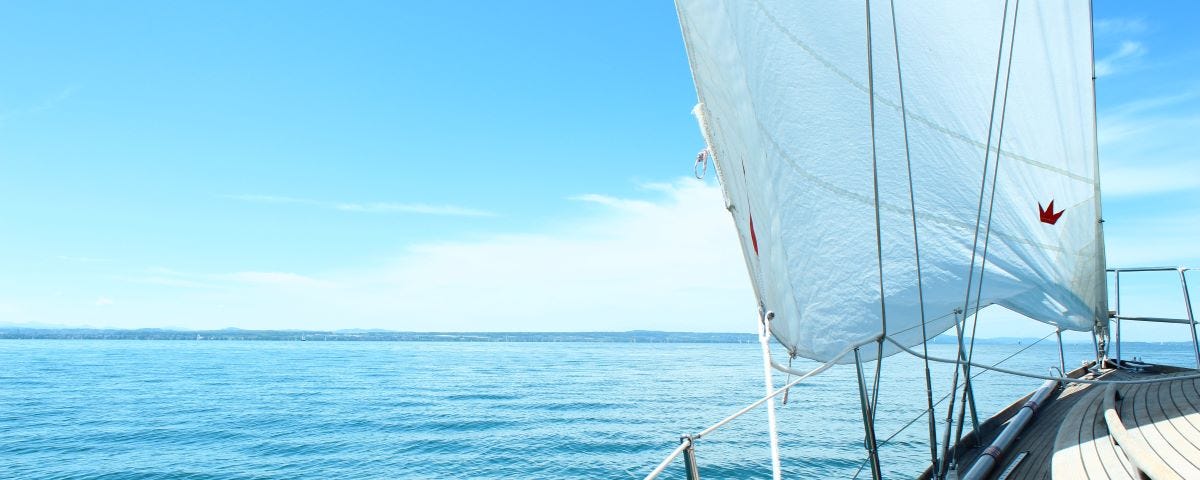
(1161,423)
(1070,437)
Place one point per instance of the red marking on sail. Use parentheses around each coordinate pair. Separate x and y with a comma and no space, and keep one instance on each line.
(753,237)
(1047,214)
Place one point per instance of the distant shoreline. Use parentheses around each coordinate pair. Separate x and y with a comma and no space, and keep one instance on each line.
(10,333)
(350,335)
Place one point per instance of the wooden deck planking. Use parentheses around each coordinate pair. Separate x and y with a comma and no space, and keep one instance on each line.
(1075,428)
(1164,416)
(1070,439)
(1173,425)
(1189,422)
(1153,423)
(1067,462)
(1096,446)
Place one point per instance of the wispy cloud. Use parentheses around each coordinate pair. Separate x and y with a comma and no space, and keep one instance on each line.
(223,281)
(54,100)
(78,259)
(47,103)
(420,208)
(283,279)
(270,199)
(1154,238)
(614,202)
(1120,60)
(371,207)
(104,301)
(1145,145)
(669,259)
(1119,26)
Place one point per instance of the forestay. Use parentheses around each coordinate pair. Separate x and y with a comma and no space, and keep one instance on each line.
(786,111)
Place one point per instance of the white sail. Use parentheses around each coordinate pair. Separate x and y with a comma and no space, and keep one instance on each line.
(786,111)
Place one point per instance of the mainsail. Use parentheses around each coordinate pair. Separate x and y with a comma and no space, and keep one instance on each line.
(845,145)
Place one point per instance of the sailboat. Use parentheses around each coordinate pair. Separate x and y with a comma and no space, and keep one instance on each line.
(892,169)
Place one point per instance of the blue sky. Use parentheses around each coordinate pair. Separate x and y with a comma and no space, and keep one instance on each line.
(436,165)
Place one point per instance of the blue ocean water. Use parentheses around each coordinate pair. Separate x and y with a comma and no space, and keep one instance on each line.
(227,409)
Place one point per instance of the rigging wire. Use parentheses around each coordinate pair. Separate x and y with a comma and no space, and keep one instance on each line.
(987,150)
(991,204)
(878,226)
(944,397)
(912,202)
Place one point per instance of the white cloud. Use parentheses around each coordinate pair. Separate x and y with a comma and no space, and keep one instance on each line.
(1147,178)
(386,207)
(671,263)
(270,199)
(1147,147)
(282,279)
(104,301)
(1119,60)
(53,100)
(1119,26)
(372,207)
(1154,238)
(668,263)
(75,259)
(46,104)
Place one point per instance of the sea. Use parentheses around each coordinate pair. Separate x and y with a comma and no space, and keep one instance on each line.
(129,409)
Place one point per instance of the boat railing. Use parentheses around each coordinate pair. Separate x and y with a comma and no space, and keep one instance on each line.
(1118,316)
(687,443)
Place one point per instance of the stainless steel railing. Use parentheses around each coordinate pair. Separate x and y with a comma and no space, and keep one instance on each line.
(1190,321)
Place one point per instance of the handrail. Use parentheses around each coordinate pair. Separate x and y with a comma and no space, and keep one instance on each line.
(1182,321)
(688,441)
(1043,377)
(1187,303)
(683,445)
(1148,269)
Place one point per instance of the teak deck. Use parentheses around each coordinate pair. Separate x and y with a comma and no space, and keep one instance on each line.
(1070,437)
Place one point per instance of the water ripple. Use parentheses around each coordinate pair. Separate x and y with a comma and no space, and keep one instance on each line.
(284,410)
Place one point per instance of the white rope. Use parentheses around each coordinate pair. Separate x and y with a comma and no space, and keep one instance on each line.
(764,339)
(803,376)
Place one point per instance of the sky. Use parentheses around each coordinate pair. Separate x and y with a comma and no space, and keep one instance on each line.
(440,166)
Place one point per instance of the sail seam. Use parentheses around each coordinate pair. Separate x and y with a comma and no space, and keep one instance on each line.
(916,117)
(863,199)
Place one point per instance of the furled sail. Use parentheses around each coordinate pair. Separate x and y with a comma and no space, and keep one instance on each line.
(995,121)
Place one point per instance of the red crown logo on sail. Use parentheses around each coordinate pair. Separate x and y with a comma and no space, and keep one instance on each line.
(1047,214)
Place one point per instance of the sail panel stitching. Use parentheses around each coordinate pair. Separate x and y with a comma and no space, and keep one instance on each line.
(916,117)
